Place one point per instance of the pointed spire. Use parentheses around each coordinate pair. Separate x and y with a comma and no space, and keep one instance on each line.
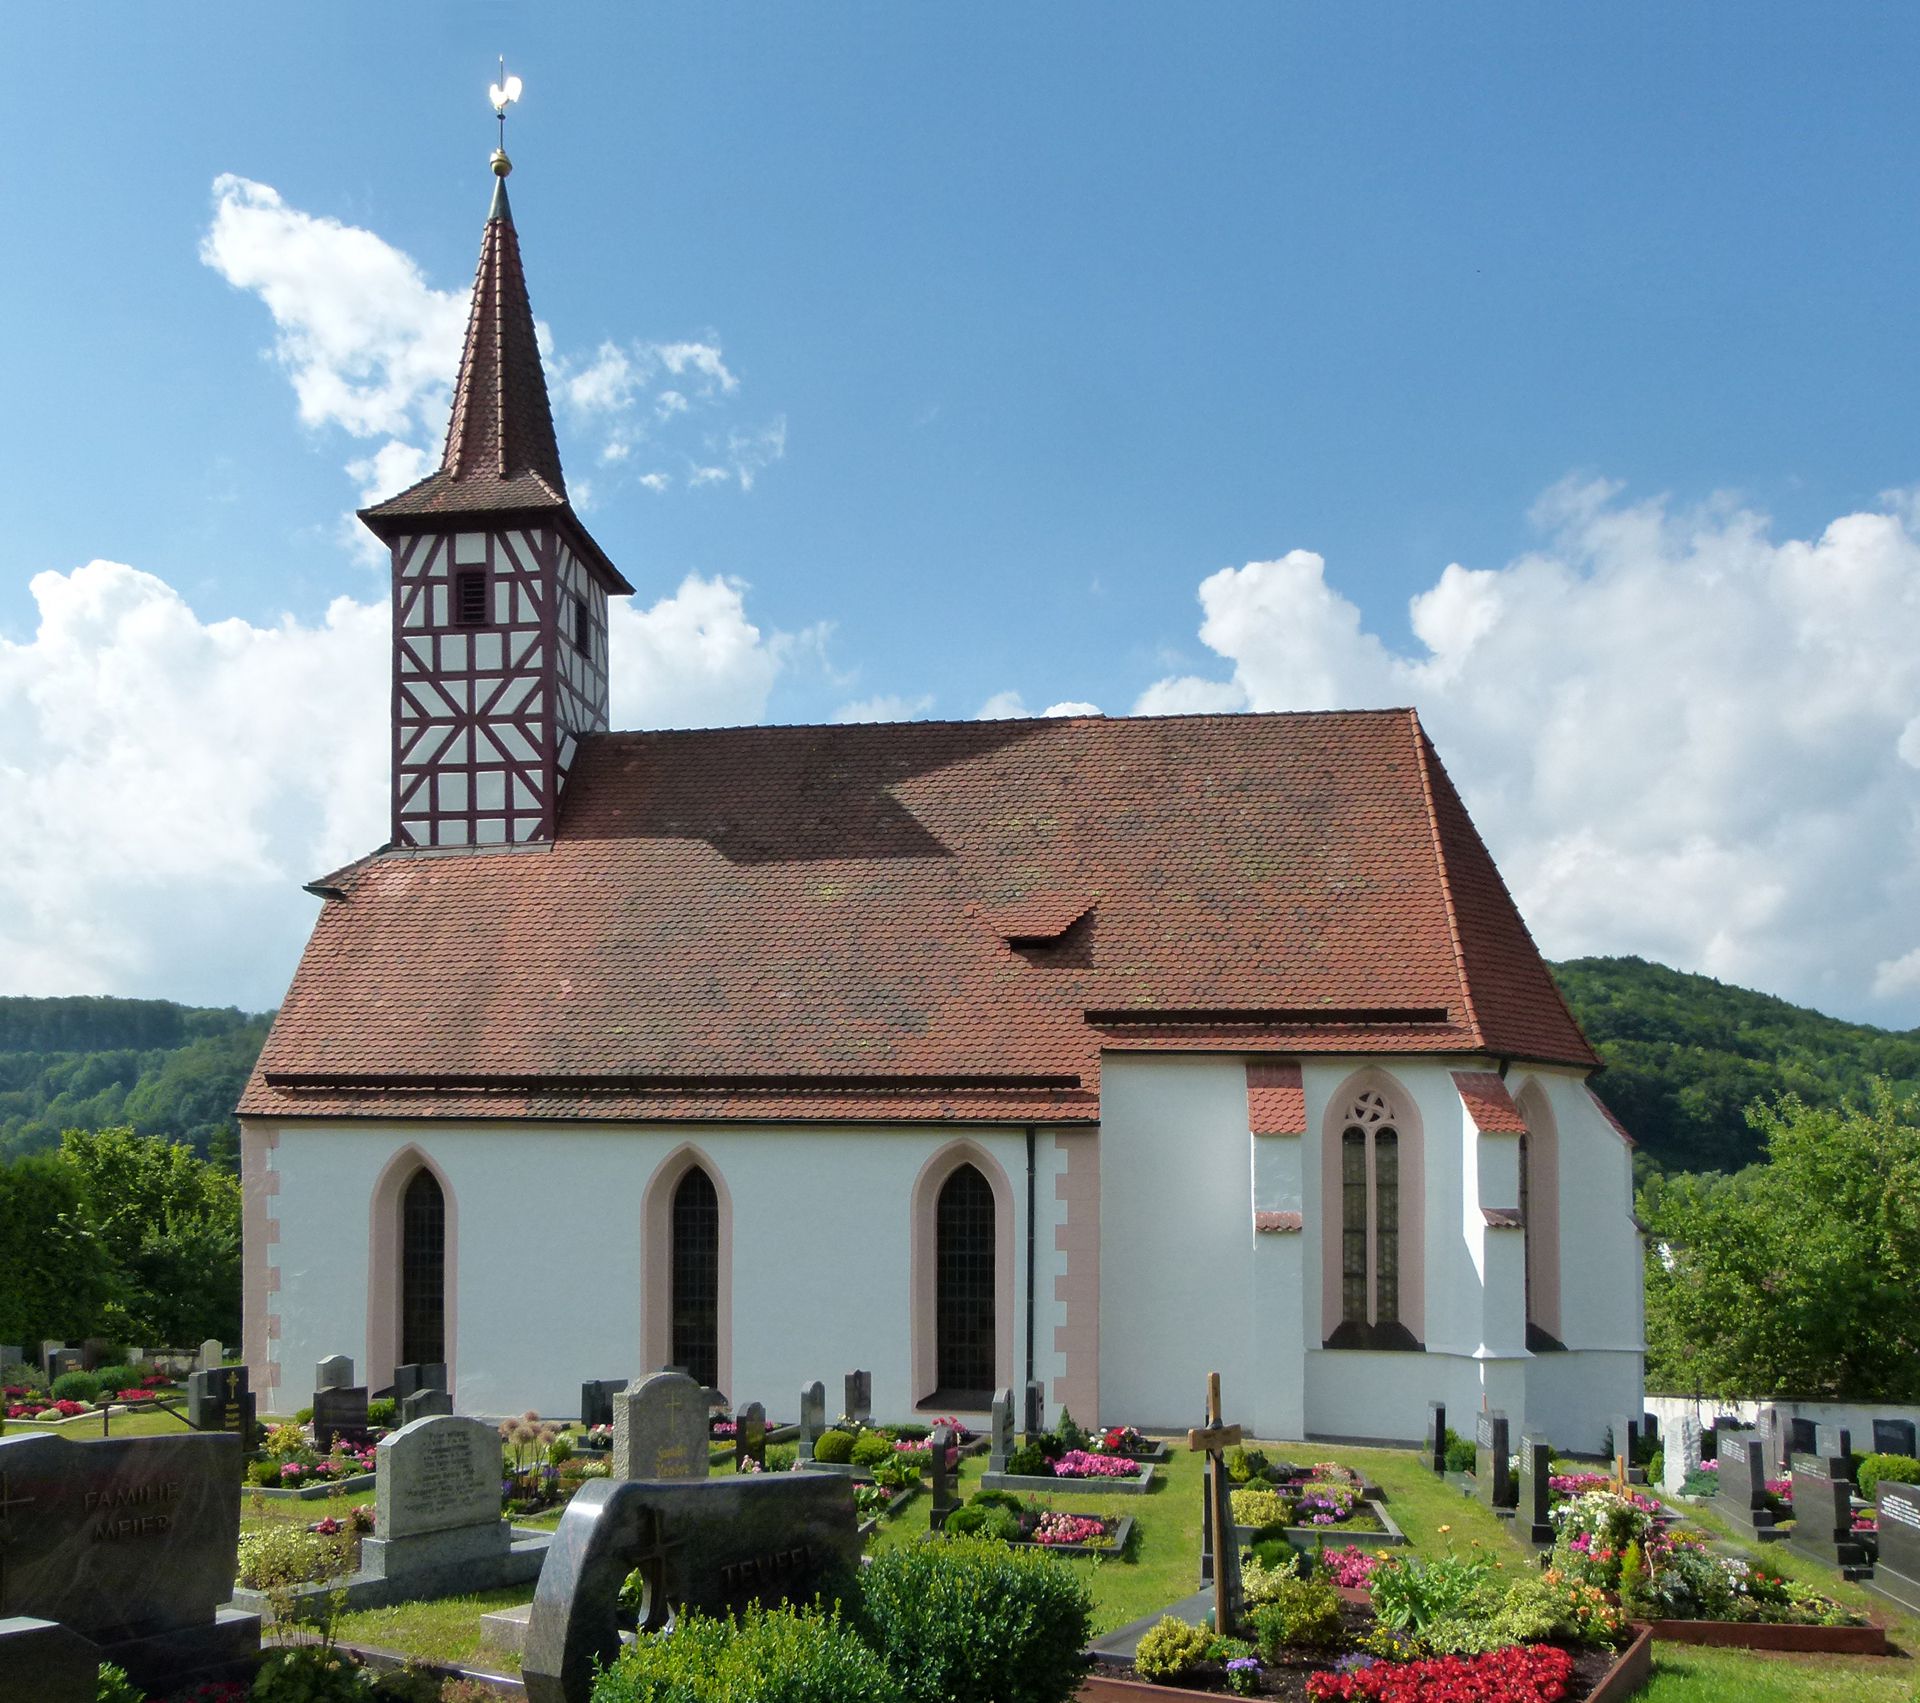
(500,451)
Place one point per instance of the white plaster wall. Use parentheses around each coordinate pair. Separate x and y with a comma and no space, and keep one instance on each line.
(1857,1417)
(1176,1234)
(1382,1398)
(1572,1398)
(549,1260)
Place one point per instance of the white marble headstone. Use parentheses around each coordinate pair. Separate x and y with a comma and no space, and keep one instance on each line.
(1682,1457)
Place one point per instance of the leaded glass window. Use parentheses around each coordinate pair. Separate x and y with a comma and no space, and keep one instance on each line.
(1353,1233)
(964,1279)
(695,1292)
(423,1271)
(1370,1227)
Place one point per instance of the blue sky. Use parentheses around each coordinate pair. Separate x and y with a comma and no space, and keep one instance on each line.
(1035,325)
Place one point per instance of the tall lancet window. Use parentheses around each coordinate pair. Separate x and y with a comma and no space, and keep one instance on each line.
(696,1277)
(423,1271)
(1370,1233)
(964,1273)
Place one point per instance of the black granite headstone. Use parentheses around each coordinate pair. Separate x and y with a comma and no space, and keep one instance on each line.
(1896,1570)
(1740,1489)
(1036,1410)
(944,1500)
(422,1375)
(750,1438)
(1000,1431)
(1532,1522)
(1650,1426)
(423,1404)
(219,1400)
(813,1417)
(1492,1465)
(714,1546)
(129,1542)
(1803,1437)
(1893,1437)
(1823,1511)
(596,1400)
(335,1411)
(1436,1445)
(859,1397)
(1835,1443)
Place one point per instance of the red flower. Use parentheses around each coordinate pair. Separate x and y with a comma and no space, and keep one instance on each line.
(1536,1674)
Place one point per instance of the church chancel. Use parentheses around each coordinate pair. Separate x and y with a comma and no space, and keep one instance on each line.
(1094,1053)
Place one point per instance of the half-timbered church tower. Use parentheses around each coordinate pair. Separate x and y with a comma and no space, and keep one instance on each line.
(1099,1052)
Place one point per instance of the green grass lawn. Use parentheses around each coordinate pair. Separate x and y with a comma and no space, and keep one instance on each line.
(444,1631)
(155,1423)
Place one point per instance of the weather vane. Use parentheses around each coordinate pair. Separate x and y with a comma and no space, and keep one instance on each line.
(503,94)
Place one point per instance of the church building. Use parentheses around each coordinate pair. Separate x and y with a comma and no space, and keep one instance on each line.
(1105,1052)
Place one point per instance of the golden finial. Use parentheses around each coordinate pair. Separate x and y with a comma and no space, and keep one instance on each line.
(502,94)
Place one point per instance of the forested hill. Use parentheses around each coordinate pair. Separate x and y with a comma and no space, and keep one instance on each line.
(1686,1055)
(90,1063)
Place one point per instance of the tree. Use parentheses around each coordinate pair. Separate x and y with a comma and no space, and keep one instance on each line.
(56,1276)
(170,1223)
(1794,1277)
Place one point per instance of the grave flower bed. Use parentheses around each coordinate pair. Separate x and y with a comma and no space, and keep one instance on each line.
(37,1409)
(1519,1675)
(1011,1519)
(1351,1568)
(1082,1463)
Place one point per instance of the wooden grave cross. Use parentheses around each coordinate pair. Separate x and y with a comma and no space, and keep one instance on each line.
(1213,1440)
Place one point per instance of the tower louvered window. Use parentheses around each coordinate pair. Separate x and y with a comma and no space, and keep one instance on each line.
(696,1277)
(964,1271)
(423,1271)
(470,597)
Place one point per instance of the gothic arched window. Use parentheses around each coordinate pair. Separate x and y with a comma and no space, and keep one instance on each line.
(964,1283)
(1370,1236)
(423,1271)
(695,1281)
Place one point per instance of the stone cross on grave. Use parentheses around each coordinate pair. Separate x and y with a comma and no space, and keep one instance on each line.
(1214,1440)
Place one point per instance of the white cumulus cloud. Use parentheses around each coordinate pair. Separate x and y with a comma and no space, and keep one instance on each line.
(1681,736)
(168,783)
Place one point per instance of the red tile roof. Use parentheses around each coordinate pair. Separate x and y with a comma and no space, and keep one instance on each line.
(1489,1103)
(1276,1101)
(797,923)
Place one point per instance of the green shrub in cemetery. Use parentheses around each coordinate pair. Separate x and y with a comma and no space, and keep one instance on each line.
(283,1555)
(1303,1614)
(263,1474)
(1261,1579)
(911,1433)
(1171,1650)
(781,1456)
(1071,1436)
(1887,1469)
(76,1386)
(113,1686)
(778,1655)
(310,1673)
(1027,1461)
(1459,1452)
(1260,1508)
(113,1379)
(304,1415)
(896,1472)
(1245,1464)
(833,1446)
(380,1412)
(869,1449)
(968,1620)
(560,1450)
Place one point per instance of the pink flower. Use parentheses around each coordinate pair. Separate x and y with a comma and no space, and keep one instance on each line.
(1077,1463)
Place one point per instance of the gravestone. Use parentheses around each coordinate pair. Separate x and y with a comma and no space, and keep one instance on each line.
(62,1361)
(943,1440)
(1036,1409)
(423,1404)
(1890,1436)
(1772,1426)
(1823,1512)
(1650,1426)
(660,1428)
(1000,1431)
(47,1351)
(338,1410)
(1435,1450)
(1682,1458)
(419,1375)
(1740,1496)
(1492,1467)
(714,1547)
(48,1662)
(333,1373)
(1803,1438)
(219,1400)
(129,1543)
(813,1417)
(1532,1522)
(1834,1443)
(596,1400)
(750,1438)
(860,1397)
(1896,1571)
(11,1354)
(211,1355)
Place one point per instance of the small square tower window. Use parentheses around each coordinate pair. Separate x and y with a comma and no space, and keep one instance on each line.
(470,597)
(582,627)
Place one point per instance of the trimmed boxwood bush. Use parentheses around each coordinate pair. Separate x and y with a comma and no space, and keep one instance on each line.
(968,1620)
(870,1448)
(833,1446)
(1260,1508)
(1171,1650)
(1028,1461)
(1887,1469)
(1301,1614)
(382,1411)
(1460,1455)
(771,1655)
(76,1386)
(113,1379)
